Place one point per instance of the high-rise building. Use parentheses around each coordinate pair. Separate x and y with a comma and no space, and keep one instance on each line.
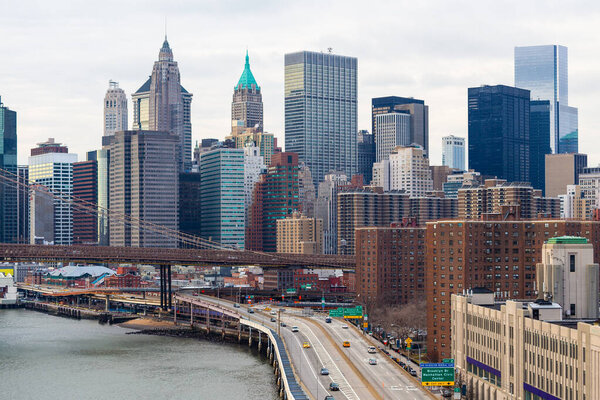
(102,159)
(390,264)
(85,192)
(409,171)
(499,141)
(456,181)
(366,155)
(51,219)
(393,129)
(587,193)
(247,106)
(453,152)
(254,166)
(562,170)
(300,234)
(266,142)
(539,142)
(143,183)
(190,203)
(321,111)
(222,196)
(440,174)
(162,104)
(115,109)
(307,194)
(543,70)
(499,255)
(23,205)
(8,164)
(326,208)
(419,117)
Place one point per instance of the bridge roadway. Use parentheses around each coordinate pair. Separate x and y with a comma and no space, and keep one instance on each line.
(348,367)
(167,256)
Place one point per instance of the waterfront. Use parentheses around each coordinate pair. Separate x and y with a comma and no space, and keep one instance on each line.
(52,357)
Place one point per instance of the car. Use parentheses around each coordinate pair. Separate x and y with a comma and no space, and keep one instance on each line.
(334,387)
(236,305)
(267,308)
(446,393)
(346,343)
(273,319)
(305,345)
(402,364)
(283,324)
(328,320)
(372,350)
(294,329)
(413,372)
(372,361)
(324,371)
(251,311)
(344,326)
(273,312)
(329,397)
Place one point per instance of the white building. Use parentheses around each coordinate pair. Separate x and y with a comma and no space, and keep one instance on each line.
(326,208)
(453,152)
(52,168)
(567,203)
(381,175)
(8,290)
(409,171)
(115,109)
(254,166)
(393,129)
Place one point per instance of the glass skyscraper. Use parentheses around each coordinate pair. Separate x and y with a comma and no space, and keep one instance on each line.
(8,163)
(539,143)
(499,140)
(321,111)
(544,71)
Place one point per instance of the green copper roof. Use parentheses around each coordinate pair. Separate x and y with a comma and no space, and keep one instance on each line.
(247,79)
(567,240)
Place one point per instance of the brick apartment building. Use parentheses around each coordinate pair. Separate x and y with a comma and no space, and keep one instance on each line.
(500,255)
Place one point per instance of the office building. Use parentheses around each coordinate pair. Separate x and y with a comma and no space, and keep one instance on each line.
(162,104)
(321,111)
(102,159)
(390,264)
(254,166)
(562,170)
(8,163)
(539,142)
(498,254)
(358,208)
(300,234)
(543,70)
(264,141)
(381,175)
(476,200)
(326,208)
(393,129)
(51,219)
(409,171)
(143,183)
(366,155)
(85,193)
(587,194)
(247,106)
(440,174)
(453,152)
(457,180)
(222,196)
(419,116)
(499,132)
(23,205)
(307,194)
(115,109)
(190,203)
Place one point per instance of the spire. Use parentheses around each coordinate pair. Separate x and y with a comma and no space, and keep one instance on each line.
(247,79)
(165,53)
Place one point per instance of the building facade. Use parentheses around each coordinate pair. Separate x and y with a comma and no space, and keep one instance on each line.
(366,154)
(499,141)
(102,159)
(85,191)
(409,171)
(115,109)
(453,152)
(317,87)
(254,167)
(223,196)
(8,162)
(419,116)
(393,129)
(143,183)
(326,208)
(544,71)
(190,203)
(562,170)
(539,142)
(162,104)
(247,106)
(23,205)
(300,234)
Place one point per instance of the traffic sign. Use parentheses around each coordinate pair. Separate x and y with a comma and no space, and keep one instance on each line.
(408,341)
(365,324)
(448,360)
(436,375)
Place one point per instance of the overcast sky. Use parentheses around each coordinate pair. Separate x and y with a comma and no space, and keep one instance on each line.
(56,57)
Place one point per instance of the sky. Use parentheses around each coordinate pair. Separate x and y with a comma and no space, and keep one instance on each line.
(57,57)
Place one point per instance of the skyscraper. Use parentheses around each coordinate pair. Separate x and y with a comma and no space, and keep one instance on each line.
(143,184)
(115,109)
(8,163)
(254,166)
(102,159)
(222,196)
(392,129)
(23,206)
(162,104)
(85,187)
(366,154)
(539,141)
(453,152)
(499,141)
(51,220)
(544,71)
(409,171)
(247,106)
(419,117)
(321,111)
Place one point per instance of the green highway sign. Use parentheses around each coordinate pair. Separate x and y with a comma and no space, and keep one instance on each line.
(437,376)
(291,291)
(339,313)
(448,360)
(352,312)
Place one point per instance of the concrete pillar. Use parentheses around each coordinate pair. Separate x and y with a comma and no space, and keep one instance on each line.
(175,313)
(259,341)
(207,310)
(191,314)
(107,304)
(249,336)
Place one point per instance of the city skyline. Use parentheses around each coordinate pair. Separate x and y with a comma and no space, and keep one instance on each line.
(212,66)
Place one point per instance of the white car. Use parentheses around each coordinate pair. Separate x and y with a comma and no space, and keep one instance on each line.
(294,329)
(344,326)
(372,350)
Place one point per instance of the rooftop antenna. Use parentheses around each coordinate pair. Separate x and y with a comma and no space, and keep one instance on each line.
(165,27)
(330,50)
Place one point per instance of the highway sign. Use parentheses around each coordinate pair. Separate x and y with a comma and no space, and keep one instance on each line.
(339,313)
(437,376)
(436,365)
(448,360)
(291,291)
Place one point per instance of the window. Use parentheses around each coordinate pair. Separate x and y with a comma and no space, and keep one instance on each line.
(572,309)
(572,262)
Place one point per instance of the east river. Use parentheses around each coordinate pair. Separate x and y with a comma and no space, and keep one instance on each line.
(47,357)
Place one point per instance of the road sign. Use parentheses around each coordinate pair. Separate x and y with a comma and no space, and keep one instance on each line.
(338,313)
(448,360)
(437,376)
(365,324)
(436,365)
(457,394)
(291,291)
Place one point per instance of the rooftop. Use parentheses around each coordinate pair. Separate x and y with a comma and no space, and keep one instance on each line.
(247,79)
(567,240)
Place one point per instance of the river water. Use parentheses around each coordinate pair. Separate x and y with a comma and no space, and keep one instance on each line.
(47,357)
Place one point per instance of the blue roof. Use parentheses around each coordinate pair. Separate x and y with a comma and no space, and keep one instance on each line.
(247,79)
(73,271)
